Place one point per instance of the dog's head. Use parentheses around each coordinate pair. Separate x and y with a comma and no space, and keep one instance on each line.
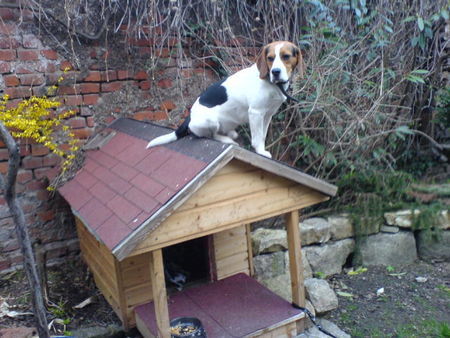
(278,60)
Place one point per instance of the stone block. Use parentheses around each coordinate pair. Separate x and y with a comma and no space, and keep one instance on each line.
(341,226)
(321,295)
(330,257)
(434,245)
(268,240)
(315,230)
(389,249)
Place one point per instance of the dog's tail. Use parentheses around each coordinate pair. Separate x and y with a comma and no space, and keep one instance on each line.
(182,131)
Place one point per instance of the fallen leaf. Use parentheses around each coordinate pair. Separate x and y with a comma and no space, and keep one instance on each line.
(345,294)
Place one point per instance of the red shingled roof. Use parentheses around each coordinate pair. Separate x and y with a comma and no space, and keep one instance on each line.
(122,184)
(124,191)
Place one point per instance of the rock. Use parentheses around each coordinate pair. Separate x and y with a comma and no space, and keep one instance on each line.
(389,249)
(389,229)
(307,271)
(315,230)
(341,226)
(444,220)
(268,240)
(405,218)
(329,258)
(281,285)
(310,308)
(321,295)
(421,279)
(332,328)
(269,265)
(434,245)
(401,218)
(18,332)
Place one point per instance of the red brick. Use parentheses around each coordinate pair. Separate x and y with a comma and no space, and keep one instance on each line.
(77,122)
(18,92)
(111,87)
(36,185)
(83,133)
(165,83)
(68,90)
(7,29)
(73,100)
(90,122)
(24,176)
(43,195)
(86,111)
(39,150)
(27,55)
(9,43)
(49,173)
(123,74)
(11,80)
(110,75)
(49,54)
(66,65)
(141,75)
(21,69)
(24,149)
(31,79)
(30,162)
(7,55)
(168,105)
(93,76)
(46,216)
(51,160)
(150,115)
(8,14)
(4,154)
(145,85)
(90,99)
(31,42)
(3,167)
(86,88)
(5,67)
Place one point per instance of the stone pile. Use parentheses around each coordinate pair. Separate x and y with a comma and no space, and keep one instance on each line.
(328,245)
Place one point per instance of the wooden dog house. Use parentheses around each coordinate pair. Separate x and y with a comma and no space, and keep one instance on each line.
(136,209)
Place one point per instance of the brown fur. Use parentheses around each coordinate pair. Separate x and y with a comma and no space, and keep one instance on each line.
(294,62)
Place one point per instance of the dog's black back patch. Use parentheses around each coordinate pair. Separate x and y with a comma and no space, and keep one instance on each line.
(214,95)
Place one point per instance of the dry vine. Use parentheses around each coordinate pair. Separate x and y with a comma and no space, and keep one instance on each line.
(361,101)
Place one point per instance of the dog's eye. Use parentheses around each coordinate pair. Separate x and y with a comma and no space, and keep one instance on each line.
(270,58)
(286,57)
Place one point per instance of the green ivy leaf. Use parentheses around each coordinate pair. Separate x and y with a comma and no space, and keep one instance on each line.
(420,23)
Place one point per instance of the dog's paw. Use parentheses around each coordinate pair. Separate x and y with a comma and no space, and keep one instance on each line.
(265,153)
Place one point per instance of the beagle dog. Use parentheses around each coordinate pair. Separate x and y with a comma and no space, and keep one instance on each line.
(249,96)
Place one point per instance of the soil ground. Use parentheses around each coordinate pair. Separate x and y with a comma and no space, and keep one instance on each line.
(407,308)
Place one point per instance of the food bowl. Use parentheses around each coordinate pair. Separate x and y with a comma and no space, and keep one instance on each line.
(183,327)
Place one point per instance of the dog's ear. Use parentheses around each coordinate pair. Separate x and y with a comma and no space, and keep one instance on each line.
(300,66)
(261,63)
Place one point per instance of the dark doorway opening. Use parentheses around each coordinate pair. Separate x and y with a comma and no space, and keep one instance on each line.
(187,263)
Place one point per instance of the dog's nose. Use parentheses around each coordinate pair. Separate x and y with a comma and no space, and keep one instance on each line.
(276,72)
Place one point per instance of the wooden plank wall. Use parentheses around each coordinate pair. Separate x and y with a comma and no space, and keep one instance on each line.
(136,283)
(238,194)
(102,265)
(231,252)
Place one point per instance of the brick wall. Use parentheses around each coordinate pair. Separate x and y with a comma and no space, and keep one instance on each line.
(101,86)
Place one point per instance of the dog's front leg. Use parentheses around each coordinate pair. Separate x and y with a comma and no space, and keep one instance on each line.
(256,121)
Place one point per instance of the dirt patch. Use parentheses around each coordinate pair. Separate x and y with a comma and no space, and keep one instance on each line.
(415,301)
(68,285)
(407,308)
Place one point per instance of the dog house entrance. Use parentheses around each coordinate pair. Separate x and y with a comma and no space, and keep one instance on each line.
(187,263)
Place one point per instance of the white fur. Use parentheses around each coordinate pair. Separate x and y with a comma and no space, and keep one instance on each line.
(250,100)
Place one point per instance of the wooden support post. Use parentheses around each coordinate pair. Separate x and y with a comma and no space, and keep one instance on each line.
(248,234)
(295,262)
(159,294)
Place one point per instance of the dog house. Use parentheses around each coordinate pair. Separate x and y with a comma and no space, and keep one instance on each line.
(165,231)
